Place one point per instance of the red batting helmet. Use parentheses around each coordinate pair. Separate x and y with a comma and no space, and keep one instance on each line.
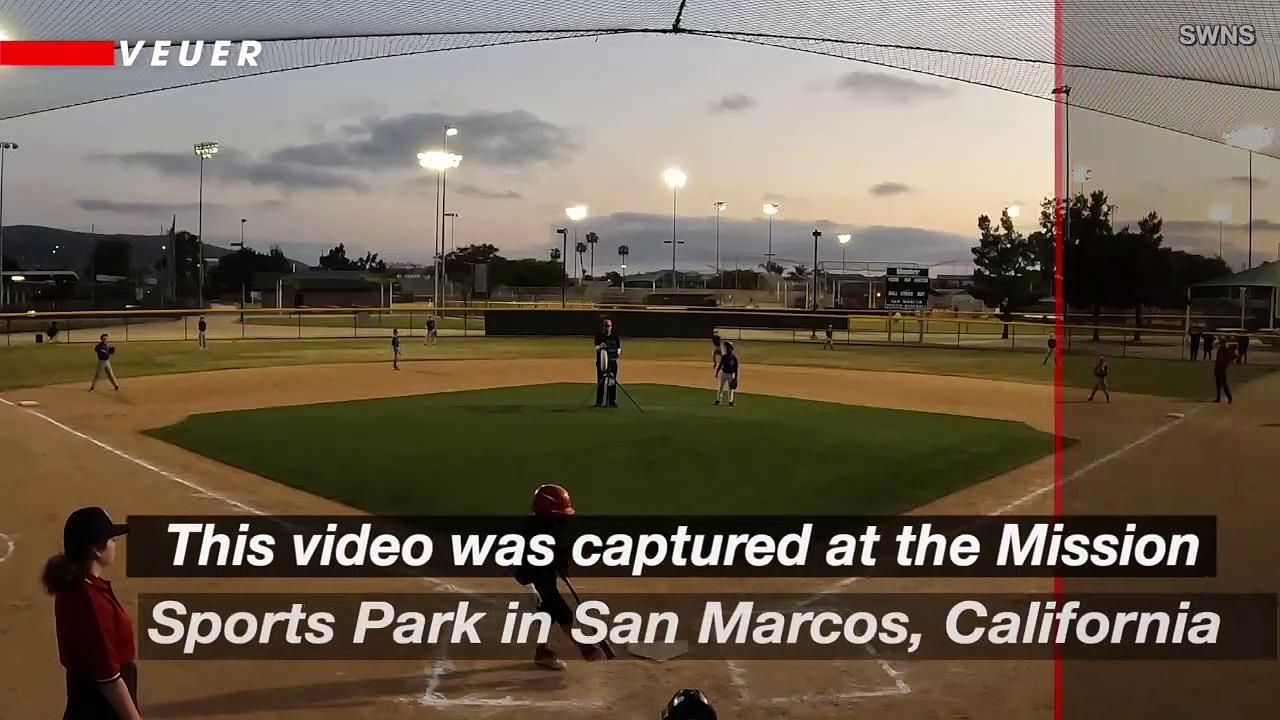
(552,500)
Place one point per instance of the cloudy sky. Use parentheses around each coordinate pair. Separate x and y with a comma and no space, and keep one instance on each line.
(314,157)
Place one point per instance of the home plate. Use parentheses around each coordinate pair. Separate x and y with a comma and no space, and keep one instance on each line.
(1175,415)
(28,403)
(659,652)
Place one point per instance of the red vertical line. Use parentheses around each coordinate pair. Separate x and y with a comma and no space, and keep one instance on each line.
(1060,312)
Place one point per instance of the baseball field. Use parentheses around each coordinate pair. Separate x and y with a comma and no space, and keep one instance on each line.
(472,425)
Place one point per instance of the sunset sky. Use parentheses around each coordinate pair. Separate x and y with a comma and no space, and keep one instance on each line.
(316,157)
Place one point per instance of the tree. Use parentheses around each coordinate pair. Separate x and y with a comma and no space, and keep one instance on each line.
(592,239)
(1089,270)
(112,257)
(581,249)
(1003,260)
(614,278)
(771,267)
(336,259)
(623,252)
(371,263)
(237,269)
(555,255)
(799,273)
(1045,241)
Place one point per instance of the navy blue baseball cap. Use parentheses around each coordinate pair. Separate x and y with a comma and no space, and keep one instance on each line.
(87,528)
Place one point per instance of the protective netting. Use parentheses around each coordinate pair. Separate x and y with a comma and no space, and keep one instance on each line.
(1121,57)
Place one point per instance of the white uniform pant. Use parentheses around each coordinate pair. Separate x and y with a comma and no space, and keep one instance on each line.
(725,391)
(104,367)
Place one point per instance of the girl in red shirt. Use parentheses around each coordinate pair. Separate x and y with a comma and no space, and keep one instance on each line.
(95,635)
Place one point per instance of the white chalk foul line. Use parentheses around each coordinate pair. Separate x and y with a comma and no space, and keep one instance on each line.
(6,547)
(900,683)
(199,490)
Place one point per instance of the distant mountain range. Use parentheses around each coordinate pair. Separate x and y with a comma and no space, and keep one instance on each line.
(35,247)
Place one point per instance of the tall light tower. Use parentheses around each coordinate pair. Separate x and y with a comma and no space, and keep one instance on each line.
(1221,213)
(1251,139)
(204,151)
(5,146)
(816,234)
(720,207)
(564,268)
(770,209)
(575,213)
(844,239)
(675,179)
(440,161)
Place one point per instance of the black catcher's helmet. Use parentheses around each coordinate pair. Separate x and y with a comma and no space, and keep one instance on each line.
(689,704)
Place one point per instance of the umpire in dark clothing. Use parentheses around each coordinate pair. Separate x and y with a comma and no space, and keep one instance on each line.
(608,348)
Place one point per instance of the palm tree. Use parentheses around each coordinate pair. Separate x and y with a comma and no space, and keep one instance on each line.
(799,273)
(623,252)
(581,248)
(555,254)
(592,239)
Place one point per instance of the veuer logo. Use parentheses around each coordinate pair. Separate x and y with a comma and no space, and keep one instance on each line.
(1213,35)
(190,53)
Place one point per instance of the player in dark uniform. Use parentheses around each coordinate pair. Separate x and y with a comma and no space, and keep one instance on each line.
(688,704)
(395,349)
(829,344)
(202,327)
(1226,355)
(552,506)
(104,350)
(608,348)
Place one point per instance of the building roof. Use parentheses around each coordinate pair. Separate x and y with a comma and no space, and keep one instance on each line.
(1265,275)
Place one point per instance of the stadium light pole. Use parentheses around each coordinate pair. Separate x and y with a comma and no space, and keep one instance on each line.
(720,207)
(439,161)
(1065,92)
(564,269)
(675,179)
(1081,174)
(1221,213)
(204,151)
(449,131)
(770,209)
(5,146)
(1251,139)
(816,234)
(844,239)
(575,213)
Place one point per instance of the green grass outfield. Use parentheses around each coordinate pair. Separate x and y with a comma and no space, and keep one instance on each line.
(484,451)
(36,365)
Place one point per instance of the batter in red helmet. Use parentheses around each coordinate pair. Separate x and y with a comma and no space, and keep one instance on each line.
(552,506)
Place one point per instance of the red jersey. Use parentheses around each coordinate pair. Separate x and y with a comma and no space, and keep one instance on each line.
(95,635)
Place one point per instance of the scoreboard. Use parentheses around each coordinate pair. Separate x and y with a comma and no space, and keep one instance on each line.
(906,288)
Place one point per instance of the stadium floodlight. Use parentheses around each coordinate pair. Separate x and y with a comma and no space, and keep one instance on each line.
(1014,211)
(771,209)
(206,150)
(576,212)
(450,131)
(844,238)
(19,278)
(674,178)
(439,160)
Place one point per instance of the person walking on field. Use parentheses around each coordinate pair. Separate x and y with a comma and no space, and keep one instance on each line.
(1226,355)
(1242,352)
(1100,373)
(95,635)
(431,330)
(830,343)
(1208,346)
(202,327)
(728,372)
(104,351)
(1195,345)
(395,349)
